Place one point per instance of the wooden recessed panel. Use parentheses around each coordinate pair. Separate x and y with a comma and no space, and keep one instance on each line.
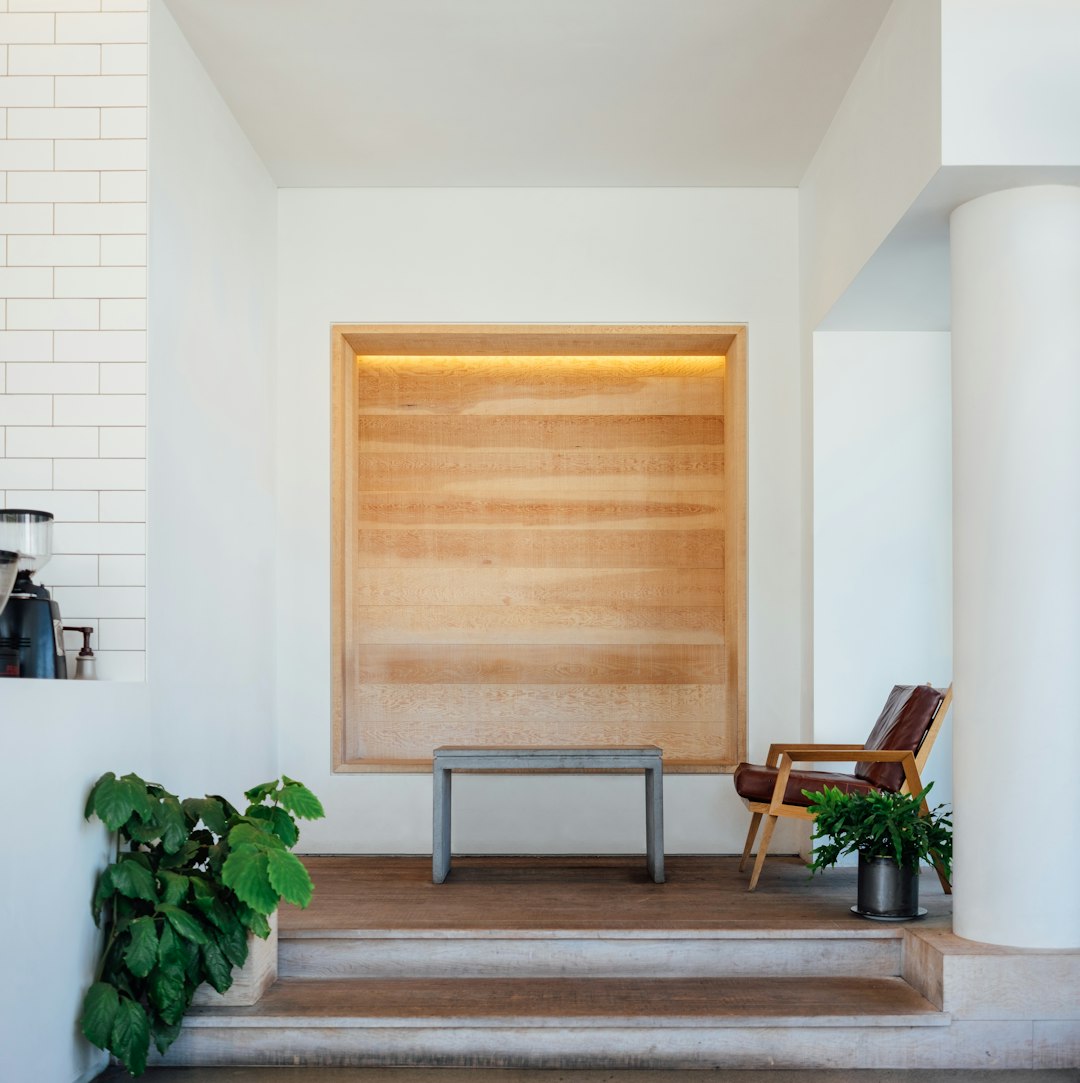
(538,539)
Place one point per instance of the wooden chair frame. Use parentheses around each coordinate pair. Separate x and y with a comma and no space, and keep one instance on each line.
(785,756)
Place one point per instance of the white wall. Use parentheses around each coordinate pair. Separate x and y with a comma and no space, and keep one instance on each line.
(212,382)
(882,148)
(56,738)
(533,255)
(212,234)
(72,383)
(1010,91)
(882,529)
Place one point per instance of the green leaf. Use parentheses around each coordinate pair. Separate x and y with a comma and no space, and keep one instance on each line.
(188,926)
(130,1039)
(174,887)
(170,957)
(188,854)
(255,922)
(102,893)
(230,809)
(131,878)
(218,968)
(113,969)
(255,833)
(300,801)
(278,820)
(164,1034)
(169,994)
(231,936)
(289,878)
(246,872)
(216,855)
(210,811)
(262,791)
(193,972)
(113,800)
(99,1012)
(175,824)
(142,950)
(144,804)
(138,831)
(233,942)
(205,896)
(92,796)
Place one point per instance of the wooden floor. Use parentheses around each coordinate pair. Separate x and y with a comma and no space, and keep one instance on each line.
(585,893)
(544,1002)
(578,963)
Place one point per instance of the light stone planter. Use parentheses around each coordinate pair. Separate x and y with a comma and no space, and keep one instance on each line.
(251,980)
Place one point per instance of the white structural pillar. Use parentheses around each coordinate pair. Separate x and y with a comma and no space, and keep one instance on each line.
(1016,553)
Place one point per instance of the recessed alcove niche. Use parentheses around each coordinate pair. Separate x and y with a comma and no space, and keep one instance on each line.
(539,537)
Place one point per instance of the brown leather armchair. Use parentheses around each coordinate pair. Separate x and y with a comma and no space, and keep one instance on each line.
(892,758)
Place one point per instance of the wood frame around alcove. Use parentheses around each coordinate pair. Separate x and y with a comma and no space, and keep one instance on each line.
(351,342)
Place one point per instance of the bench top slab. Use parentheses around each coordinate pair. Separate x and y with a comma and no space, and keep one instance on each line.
(531,756)
(592,750)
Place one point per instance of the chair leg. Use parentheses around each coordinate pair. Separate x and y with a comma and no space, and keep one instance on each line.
(755,820)
(763,849)
(942,878)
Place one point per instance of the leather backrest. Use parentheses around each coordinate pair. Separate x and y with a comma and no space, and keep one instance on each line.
(902,725)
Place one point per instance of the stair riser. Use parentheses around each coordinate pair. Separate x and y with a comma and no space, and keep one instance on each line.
(990,1044)
(596,958)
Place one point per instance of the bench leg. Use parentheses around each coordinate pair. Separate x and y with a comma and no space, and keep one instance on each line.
(440,835)
(654,822)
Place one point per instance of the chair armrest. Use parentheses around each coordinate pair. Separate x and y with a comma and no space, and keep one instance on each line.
(784,760)
(776,749)
(825,754)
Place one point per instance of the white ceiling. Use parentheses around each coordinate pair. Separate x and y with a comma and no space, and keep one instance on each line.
(532,92)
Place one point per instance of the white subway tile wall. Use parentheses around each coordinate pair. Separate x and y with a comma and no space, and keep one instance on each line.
(73,305)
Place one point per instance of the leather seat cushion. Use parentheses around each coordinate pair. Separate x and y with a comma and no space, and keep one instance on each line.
(756,783)
(902,724)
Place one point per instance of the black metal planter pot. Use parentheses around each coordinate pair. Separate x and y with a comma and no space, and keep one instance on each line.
(887,891)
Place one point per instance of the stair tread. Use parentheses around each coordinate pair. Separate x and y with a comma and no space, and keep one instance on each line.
(500,1002)
(834,930)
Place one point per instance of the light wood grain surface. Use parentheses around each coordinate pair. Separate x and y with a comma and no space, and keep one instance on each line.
(576,893)
(695,1002)
(543,500)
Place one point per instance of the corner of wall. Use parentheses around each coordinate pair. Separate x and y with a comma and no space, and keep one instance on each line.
(213,211)
(881,150)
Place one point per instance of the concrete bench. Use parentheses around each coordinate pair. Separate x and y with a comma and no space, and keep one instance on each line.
(450,758)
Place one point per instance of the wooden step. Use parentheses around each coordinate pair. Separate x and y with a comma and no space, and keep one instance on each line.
(560,1023)
(864,952)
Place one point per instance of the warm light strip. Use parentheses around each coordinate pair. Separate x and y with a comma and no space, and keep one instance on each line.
(658,364)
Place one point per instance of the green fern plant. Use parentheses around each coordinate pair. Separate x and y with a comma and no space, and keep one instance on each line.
(879,824)
(191,879)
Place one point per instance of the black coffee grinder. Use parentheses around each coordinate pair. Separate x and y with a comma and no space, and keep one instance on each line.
(9,566)
(31,631)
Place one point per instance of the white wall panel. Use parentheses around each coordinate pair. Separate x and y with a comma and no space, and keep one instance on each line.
(534,255)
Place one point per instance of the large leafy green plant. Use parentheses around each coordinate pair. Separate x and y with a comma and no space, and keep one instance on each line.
(879,824)
(191,879)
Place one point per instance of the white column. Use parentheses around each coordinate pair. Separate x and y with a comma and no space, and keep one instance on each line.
(1016,554)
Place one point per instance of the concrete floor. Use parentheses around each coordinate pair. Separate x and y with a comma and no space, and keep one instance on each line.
(489,1075)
